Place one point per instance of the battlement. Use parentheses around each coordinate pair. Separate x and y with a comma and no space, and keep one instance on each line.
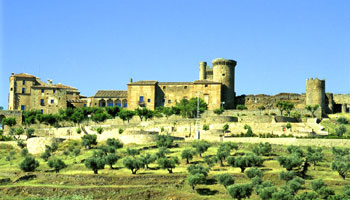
(222,61)
(316,82)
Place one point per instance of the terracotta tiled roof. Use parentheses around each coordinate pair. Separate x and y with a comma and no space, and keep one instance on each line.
(111,93)
(76,100)
(24,75)
(175,83)
(143,83)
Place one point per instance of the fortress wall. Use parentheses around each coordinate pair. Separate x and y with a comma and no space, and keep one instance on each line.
(341,98)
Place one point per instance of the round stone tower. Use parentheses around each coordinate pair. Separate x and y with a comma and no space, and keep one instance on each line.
(315,93)
(202,70)
(224,72)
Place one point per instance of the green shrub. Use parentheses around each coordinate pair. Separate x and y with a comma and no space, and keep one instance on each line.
(263,149)
(120,131)
(342,120)
(116,143)
(164,141)
(195,179)
(288,126)
(29,132)
(57,164)
(225,180)
(89,140)
(95,162)
(132,151)
(240,191)
(287,175)
(201,146)
(205,127)
(148,159)
(340,131)
(291,161)
(198,169)
(111,159)
(162,151)
(78,130)
(219,111)
(241,107)
(253,172)
(187,154)
(24,152)
(168,163)
(134,164)
(99,130)
(29,164)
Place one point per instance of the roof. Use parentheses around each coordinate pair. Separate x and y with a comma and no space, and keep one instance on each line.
(175,83)
(205,82)
(24,75)
(60,86)
(143,83)
(111,93)
(77,100)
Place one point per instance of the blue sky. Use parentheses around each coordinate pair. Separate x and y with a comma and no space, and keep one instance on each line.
(100,44)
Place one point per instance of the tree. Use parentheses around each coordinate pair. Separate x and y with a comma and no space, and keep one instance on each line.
(168,163)
(106,149)
(126,115)
(24,152)
(57,164)
(225,180)
(262,149)
(187,154)
(340,131)
(317,184)
(295,150)
(188,108)
(95,162)
(195,179)
(21,144)
(99,130)
(287,175)
(224,151)
(291,161)
(342,166)
(148,159)
(342,120)
(134,164)
(295,184)
(111,159)
(132,151)
(162,151)
(201,146)
(306,196)
(88,140)
(265,190)
(253,172)
(284,106)
(29,132)
(46,155)
(283,194)
(248,160)
(77,116)
(241,107)
(198,169)
(100,117)
(312,109)
(10,121)
(314,155)
(225,128)
(210,160)
(17,132)
(116,143)
(143,113)
(340,152)
(240,191)
(29,164)
(112,110)
(164,141)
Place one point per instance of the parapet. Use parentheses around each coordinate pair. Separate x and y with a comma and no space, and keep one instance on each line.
(222,61)
(316,81)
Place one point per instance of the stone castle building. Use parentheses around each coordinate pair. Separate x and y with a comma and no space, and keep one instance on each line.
(216,86)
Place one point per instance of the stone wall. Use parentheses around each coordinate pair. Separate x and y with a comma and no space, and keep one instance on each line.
(36,145)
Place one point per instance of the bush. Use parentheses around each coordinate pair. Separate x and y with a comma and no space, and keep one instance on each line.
(210,160)
(96,162)
(317,184)
(46,155)
(89,140)
(314,155)
(187,154)
(306,196)
(132,151)
(29,132)
(99,130)
(340,131)
(342,166)
(106,149)
(253,172)
(263,149)
(291,161)
(116,143)
(198,169)
(24,152)
(195,179)
(120,131)
(201,146)
(288,126)
(162,151)
(225,127)
(134,164)
(57,164)
(78,130)
(342,120)
(164,141)
(168,163)
(295,184)
(249,160)
(219,111)
(21,143)
(287,175)
(240,191)
(265,190)
(225,180)
(241,107)
(148,159)
(29,164)
(205,127)
(111,159)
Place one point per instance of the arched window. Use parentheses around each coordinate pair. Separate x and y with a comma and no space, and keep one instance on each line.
(125,103)
(118,103)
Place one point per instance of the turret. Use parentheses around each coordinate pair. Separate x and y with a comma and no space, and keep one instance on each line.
(315,93)
(224,72)
(202,70)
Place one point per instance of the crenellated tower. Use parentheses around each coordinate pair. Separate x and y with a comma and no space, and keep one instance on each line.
(315,93)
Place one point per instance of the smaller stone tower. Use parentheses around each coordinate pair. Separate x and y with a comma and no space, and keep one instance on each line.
(224,72)
(12,101)
(315,93)
(202,70)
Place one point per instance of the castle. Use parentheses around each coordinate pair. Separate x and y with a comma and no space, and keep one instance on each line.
(216,86)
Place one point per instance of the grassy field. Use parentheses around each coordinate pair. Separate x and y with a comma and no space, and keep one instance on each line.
(154,183)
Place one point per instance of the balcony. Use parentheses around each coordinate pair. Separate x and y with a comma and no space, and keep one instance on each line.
(142,104)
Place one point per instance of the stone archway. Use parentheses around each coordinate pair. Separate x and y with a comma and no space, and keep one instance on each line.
(118,103)
(109,102)
(125,103)
(102,103)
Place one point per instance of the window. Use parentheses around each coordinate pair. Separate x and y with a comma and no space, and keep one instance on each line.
(23,90)
(141,99)
(164,87)
(23,107)
(95,104)
(185,87)
(11,89)
(169,101)
(42,111)
(52,100)
(149,100)
(223,74)
(42,102)
(85,105)
(42,90)
(24,82)
(206,85)
(163,100)
(54,91)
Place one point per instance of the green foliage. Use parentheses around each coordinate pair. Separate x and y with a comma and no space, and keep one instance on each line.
(195,179)
(188,108)
(290,161)
(24,152)
(287,175)
(148,159)
(198,169)
(106,149)
(167,111)
(9,121)
(99,130)
(219,111)
(248,160)
(295,184)
(164,141)
(253,172)
(295,150)
(144,113)
(29,132)
(307,196)
(29,164)
(340,131)
(249,132)
(205,127)
(126,114)
(88,140)
(116,143)
(312,109)
(95,162)
(342,120)
(314,155)
(288,126)
(187,154)
(240,191)
(10,156)
(340,152)
(210,160)
(201,146)
(284,106)
(21,144)
(263,149)
(224,151)
(241,107)
(325,192)
(225,127)
(57,164)
(225,180)
(162,151)
(100,117)
(342,166)
(120,131)
(112,110)
(17,132)
(317,184)
(29,117)
(265,190)
(283,194)
(168,163)
(261,107)
(46,155)
(111,159)
(132,151)
(78,130)
(134,164)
